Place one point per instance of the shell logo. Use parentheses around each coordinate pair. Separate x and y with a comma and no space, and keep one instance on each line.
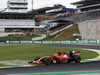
(60,59)
(51,58)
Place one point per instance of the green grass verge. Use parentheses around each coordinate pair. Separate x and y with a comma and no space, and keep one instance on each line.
(67,35)
(2,65)
(12,37)
(29,52)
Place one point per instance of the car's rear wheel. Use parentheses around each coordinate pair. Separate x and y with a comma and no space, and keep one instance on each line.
(47,61)
(77,59)
(37,58)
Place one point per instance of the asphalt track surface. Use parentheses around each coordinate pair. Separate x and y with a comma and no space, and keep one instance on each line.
(85,66)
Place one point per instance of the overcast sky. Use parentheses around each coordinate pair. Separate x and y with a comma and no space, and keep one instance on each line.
(39,3)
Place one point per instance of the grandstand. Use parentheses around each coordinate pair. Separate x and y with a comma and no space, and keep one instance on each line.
(12,25)
(55,17)
(16,20)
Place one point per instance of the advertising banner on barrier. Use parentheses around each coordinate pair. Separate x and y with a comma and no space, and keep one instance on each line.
(65,42)
(92,41)
(26,41)
(38,42)
(82,41)
(47,42)
(72,42)
(13,42)
(56,42)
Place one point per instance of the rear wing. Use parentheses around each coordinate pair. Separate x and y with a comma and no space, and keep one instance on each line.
(77,53)
(74,53)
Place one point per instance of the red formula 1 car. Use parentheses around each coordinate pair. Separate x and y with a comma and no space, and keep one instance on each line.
(60,57)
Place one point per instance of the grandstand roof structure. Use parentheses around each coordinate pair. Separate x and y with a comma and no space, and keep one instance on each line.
(85,2)
(60,10)
(43,9)
(87,5)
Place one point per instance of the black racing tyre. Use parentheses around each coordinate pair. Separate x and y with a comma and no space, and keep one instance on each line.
(77,59)
(51,61)
(69,61)
(37,58)
(47,61)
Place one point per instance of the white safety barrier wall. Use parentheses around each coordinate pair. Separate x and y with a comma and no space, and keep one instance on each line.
(89,24)
(90,29)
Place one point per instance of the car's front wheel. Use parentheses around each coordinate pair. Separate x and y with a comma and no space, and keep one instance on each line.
(47,61)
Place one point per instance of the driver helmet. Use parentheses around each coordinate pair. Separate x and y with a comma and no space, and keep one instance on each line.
(59,53)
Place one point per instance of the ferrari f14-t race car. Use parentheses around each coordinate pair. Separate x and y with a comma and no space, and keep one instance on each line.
(60,57)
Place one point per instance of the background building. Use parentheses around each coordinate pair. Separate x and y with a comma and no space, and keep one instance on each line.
(16,17)
(17,6)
